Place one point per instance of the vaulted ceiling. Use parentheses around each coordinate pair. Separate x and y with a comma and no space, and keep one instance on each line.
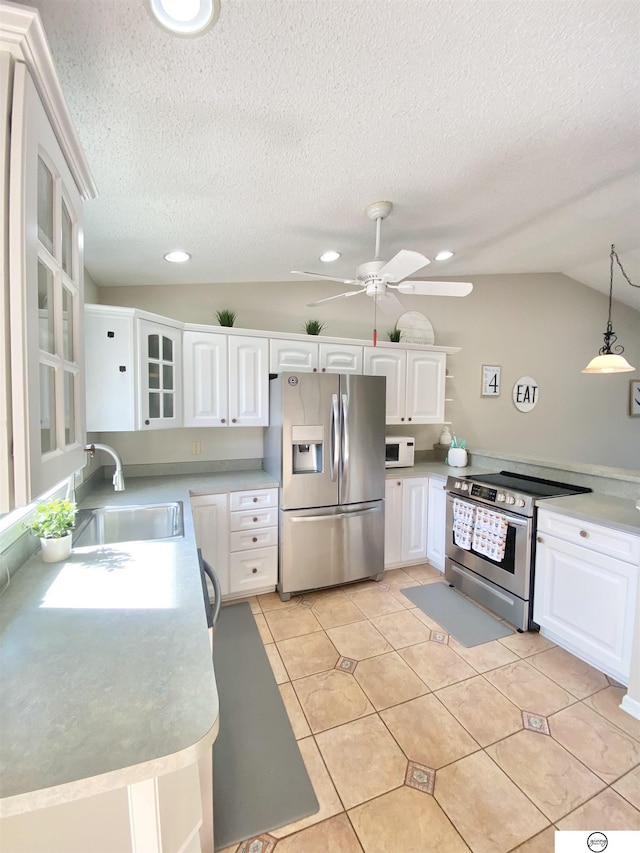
(507,132)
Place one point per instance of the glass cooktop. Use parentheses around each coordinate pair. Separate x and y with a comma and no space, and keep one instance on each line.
(534,486)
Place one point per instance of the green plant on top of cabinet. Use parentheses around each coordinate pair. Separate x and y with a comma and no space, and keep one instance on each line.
(226,317)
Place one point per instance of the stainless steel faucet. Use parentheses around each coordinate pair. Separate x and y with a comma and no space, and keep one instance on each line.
(118,476)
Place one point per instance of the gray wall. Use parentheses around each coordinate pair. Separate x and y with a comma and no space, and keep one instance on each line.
(545,326)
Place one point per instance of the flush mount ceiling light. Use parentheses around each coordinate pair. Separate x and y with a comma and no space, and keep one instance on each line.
(608,360)
(330,255)
(444,255)
(178,256)
(185,17)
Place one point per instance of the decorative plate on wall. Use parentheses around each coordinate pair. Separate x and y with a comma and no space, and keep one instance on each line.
(415,328)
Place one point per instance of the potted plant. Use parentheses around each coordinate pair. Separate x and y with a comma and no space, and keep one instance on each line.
(53,522)
(395,334)
(313,327)
(226,317)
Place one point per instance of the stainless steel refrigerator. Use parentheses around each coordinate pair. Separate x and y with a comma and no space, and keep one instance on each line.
(326,445)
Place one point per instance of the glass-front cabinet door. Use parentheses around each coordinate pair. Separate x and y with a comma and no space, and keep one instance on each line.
(46,275)
(160,373)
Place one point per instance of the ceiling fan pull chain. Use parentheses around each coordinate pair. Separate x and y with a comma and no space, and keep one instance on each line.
(375,319)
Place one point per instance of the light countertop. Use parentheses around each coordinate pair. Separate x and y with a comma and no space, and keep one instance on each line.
(106,670)
(619,513)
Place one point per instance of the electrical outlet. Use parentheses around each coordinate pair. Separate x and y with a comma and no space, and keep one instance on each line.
(195,448)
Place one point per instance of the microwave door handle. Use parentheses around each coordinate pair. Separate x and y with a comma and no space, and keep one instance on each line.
(345,434)
(334,445)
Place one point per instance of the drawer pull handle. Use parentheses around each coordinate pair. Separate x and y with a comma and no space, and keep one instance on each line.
(539,539)
(255,500)
(254,539)
(584,534)
(254,571)
(255,519)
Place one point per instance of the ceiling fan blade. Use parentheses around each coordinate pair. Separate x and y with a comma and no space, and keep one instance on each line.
(338,296)
(434,288)
(388,302)
(404,264)
(327,277)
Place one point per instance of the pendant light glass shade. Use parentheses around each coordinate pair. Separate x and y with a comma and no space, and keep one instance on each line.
(608,364)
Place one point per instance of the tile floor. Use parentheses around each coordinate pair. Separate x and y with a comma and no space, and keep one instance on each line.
(415,743)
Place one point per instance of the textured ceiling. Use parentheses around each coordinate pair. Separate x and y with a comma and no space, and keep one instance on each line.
(508,132)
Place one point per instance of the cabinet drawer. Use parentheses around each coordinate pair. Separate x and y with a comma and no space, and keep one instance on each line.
(241,540)
(254,498)
(253,518)
(253,569)
(595,537)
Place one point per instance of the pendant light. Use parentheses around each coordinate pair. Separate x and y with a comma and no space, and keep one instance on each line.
(608,361)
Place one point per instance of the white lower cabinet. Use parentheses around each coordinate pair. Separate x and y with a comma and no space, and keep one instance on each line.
(238,536)
(436,521)
(586,585)
(405,521)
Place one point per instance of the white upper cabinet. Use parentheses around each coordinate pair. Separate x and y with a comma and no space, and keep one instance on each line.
(248,381)
(205,379)
(415,383)
(47,181)
(134,371)
(313,357)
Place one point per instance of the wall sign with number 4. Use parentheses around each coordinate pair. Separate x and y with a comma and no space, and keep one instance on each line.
(490,380)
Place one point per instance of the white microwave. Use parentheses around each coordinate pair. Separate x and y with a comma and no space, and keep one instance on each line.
(399,451)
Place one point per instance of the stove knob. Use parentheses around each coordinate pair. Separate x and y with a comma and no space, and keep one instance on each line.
(501,497)
(510,499)
(465,487)
(519,502)
(457,485)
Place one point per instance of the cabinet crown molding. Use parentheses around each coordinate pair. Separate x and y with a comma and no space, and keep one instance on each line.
(22,35)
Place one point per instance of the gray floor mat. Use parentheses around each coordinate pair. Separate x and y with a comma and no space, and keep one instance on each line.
(259,778)
(459,616)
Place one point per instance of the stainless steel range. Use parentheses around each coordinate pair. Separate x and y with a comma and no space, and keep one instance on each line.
(490,545)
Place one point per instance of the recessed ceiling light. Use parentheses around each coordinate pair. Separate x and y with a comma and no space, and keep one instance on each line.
(444,255)
(177,256)
(185,17)
(330,255)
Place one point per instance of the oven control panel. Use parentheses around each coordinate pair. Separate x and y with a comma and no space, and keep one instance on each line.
(501,498)
(484,492)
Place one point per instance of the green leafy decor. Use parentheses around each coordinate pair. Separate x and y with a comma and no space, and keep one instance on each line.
(226,317)
(395,335)
(53,519)
(313,327)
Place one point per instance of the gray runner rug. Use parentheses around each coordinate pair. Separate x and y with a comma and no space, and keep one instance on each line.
(260,781)
(459,616)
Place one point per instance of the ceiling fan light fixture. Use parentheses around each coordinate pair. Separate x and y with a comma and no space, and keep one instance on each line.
(185,17)
(330,255)
(444,255)
(177,256)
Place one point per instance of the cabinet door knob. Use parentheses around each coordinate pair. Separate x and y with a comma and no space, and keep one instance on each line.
(147,422)
(234,420)
(584,534)
(401,419)
(255,539)
(315,369)
(223,420)
(539,539)
(324,369)
(254,571)
(399,483)
(255,500)
(255,519)
(409,419)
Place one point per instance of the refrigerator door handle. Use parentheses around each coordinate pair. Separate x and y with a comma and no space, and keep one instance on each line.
(334,448)
(296,519)
(344,462)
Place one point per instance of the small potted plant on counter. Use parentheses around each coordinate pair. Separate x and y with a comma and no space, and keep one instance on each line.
(313,327)
(395,334)
(53,522)
(226,317)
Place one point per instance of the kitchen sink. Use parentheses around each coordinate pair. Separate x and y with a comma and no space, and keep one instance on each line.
(110,524)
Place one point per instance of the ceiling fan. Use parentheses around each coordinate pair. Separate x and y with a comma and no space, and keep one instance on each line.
(378,278)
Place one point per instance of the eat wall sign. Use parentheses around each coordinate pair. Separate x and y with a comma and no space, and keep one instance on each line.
(525,393)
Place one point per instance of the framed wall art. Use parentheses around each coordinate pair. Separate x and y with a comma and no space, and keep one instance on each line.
(634,398)
(490,380)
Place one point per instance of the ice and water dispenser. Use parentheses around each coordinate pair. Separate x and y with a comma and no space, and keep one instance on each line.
(307,444)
